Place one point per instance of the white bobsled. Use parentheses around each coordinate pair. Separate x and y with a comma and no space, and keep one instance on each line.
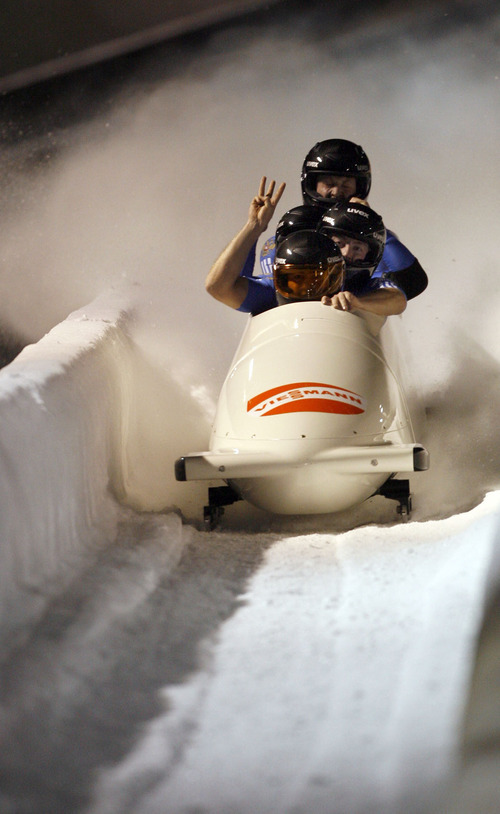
(311,418)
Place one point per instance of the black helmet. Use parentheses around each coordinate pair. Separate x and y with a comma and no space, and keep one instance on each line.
(307,266)
(335,156)
(300,217)
(359,222)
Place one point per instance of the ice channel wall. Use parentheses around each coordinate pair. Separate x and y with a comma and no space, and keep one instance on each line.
(75,447)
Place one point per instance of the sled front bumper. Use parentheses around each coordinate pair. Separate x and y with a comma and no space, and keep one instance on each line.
(233,464)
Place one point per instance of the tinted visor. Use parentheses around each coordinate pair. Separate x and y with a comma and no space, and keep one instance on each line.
(308,282)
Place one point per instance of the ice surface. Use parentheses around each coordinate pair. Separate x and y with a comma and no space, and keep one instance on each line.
(337,685)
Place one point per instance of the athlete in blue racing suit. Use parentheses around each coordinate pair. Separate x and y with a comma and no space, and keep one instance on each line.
(261,296)
(340,169)
(226,283)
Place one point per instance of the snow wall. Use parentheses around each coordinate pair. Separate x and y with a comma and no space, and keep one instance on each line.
(80,415)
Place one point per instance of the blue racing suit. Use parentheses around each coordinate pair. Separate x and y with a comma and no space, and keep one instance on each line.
(398,265)
(261,295)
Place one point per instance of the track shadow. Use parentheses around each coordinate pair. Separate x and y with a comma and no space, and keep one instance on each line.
(76,696)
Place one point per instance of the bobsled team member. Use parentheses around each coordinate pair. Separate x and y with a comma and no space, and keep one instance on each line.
(305,216)
(225,281)
(337,168)
(308,266)
(332,169)
(340,169)
(255,295)
(360,252)
(359,232)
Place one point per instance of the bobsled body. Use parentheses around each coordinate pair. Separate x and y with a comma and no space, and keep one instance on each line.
(311,418)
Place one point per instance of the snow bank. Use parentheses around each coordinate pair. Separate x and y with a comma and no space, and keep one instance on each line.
(65,407)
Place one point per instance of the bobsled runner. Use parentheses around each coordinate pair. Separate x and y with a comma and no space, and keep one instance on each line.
(311,418)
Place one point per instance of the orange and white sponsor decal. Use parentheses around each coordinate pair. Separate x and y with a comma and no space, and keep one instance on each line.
(307,397)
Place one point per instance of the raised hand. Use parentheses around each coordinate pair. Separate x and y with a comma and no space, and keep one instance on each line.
(263,205)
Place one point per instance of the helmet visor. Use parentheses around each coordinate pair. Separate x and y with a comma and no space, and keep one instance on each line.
(308,282)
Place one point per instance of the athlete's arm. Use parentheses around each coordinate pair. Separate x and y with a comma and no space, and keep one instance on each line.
(223,281)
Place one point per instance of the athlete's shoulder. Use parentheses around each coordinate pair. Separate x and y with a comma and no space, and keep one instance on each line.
(396,256)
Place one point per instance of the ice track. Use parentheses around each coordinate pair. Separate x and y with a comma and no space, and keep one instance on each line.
(238,672)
